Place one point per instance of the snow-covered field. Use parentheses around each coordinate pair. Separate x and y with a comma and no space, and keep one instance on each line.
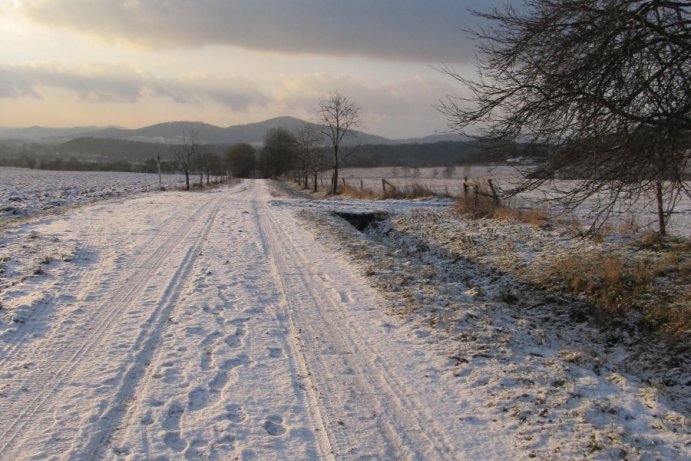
(25,192)
(450,182)
(245,324)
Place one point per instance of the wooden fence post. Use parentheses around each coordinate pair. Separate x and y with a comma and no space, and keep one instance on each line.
(495,196)
(385,183)
(465,191)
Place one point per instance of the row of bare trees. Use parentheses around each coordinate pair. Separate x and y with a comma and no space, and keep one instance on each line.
(313,147)
(606,84)
(193,157)
(304,152)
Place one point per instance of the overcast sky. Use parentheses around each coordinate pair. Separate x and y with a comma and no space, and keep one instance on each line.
(137,62)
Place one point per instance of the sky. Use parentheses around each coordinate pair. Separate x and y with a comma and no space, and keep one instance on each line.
(133,63)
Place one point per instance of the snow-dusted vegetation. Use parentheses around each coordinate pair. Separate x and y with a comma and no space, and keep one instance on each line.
(566,376)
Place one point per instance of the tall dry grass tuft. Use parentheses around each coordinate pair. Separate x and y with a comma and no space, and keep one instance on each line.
(618,286)
(411,191)
(484,205)
(416,190)
(609,283)
(351,192)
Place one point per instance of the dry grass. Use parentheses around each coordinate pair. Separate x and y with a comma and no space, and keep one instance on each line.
(610,283)
(485,206)
(415,190)
(411,191)
(657,287)
(363,194)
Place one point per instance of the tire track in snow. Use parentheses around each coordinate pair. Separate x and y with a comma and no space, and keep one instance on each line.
(145,346)
(82,280)
(136,409)
(60,363)
(396,428)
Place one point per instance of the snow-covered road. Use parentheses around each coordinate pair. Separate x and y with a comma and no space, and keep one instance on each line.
(214,326)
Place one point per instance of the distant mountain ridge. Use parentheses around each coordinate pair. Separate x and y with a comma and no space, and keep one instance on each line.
(171,132)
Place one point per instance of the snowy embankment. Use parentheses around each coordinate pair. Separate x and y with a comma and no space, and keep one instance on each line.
(245,324)
(561,386)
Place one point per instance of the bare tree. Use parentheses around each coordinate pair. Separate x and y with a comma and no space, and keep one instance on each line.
(310,155)
(279,153)
(186,154)
(207,164)
(339,116)
(605,84)
(240,159)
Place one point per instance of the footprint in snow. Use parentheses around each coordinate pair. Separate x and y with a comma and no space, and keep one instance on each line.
(273,425)
(235,413)
(275,352)
(198,399)
(171,419)
(174,442)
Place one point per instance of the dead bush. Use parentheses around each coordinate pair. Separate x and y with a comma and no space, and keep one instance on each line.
(417,190)
(363,194)
(410,191)
(484,205)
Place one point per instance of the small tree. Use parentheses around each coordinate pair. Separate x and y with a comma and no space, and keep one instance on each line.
(279,153)
(310,156)
(186,154)
(207,164)
(240,160)
(339,117)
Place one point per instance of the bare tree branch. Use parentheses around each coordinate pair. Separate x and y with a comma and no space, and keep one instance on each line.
(339,116)
(605,83)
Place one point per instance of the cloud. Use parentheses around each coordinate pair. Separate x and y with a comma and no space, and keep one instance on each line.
(107,83)
(396,107)
(381,97)
(404,30)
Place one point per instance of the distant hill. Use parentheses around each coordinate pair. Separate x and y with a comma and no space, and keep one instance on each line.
(251,133)
(42,134)
(172,132)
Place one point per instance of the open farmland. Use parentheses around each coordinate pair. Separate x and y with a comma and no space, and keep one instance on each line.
(27,192)
(449,181)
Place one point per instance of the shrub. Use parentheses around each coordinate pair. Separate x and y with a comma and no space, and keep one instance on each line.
(484,205)
(364,194)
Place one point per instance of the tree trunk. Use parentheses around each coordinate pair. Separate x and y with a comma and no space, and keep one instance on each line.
(187,180)
(334,181)
(315,182)
(334,177)
(660,209)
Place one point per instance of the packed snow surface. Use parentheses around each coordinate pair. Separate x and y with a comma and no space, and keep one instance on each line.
(222,325)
